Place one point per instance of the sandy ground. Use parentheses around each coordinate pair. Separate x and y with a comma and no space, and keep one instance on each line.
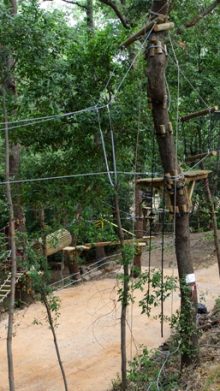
(89,335)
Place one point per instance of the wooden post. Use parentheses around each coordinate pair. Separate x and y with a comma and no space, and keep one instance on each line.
(71,253)
(157,94)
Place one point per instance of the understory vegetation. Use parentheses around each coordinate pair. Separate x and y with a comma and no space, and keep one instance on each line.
(82,122)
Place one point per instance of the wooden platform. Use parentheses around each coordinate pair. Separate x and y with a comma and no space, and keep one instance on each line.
(141,242)
(189,176)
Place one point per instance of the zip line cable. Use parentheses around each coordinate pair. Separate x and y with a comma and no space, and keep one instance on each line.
(32,121)
(95,108)
(88,174)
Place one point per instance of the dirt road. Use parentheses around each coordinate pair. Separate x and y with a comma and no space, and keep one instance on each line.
(88,334)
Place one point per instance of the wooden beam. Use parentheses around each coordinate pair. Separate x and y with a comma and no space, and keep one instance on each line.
(194,175)
(193,158)
(199,113)
(163,26)
(143,31)
(138,34)
(116,242)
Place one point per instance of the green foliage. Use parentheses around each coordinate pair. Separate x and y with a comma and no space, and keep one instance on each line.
(158,288)
(148,371)
(184,325)
(59,68)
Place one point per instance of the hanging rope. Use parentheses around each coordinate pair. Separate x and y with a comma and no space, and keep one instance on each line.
(104,149)
(113,145)
(151,219)
(162,263)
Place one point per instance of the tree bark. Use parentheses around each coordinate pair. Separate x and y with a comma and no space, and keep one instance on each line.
(124,297)
(14,155)
(13,254)
(50,319)
(89,16)
(175,186)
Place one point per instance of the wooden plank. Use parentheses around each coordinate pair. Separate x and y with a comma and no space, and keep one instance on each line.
(189,176)
(82,247)
(191,189)
(196,175)
(199,113)
(117,242)
(155,182)
(69,248)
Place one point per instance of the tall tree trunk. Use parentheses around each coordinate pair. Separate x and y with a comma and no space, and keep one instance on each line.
(89,16)
(124,295)
(13,254)
(175,186)
(14,155)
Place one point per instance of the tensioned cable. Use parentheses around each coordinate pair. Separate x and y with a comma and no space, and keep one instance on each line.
(113,144)
(200,161)
(178,92)
(177,139)
(72,176)
(189,82)
(31,121)
(37,120)
(104,150)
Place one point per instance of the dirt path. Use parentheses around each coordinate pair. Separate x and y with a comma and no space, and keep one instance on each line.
(88,335)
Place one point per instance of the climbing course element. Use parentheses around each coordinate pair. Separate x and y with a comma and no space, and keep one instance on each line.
(175,187)
(5,288)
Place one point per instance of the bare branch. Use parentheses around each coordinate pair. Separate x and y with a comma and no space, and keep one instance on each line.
(202,14)
(122,18)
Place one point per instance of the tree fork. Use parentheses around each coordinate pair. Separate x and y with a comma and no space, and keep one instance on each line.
(173,181)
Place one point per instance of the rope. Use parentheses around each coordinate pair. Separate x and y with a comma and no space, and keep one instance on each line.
(104,150)
(177,139)
(189,82)
(113,145)
(36,120)
(81,279)
(162,264)
(178,94)
(87,174)
(200,161)
(151,220)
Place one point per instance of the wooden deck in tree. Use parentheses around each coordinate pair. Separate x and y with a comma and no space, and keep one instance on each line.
(190,176)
